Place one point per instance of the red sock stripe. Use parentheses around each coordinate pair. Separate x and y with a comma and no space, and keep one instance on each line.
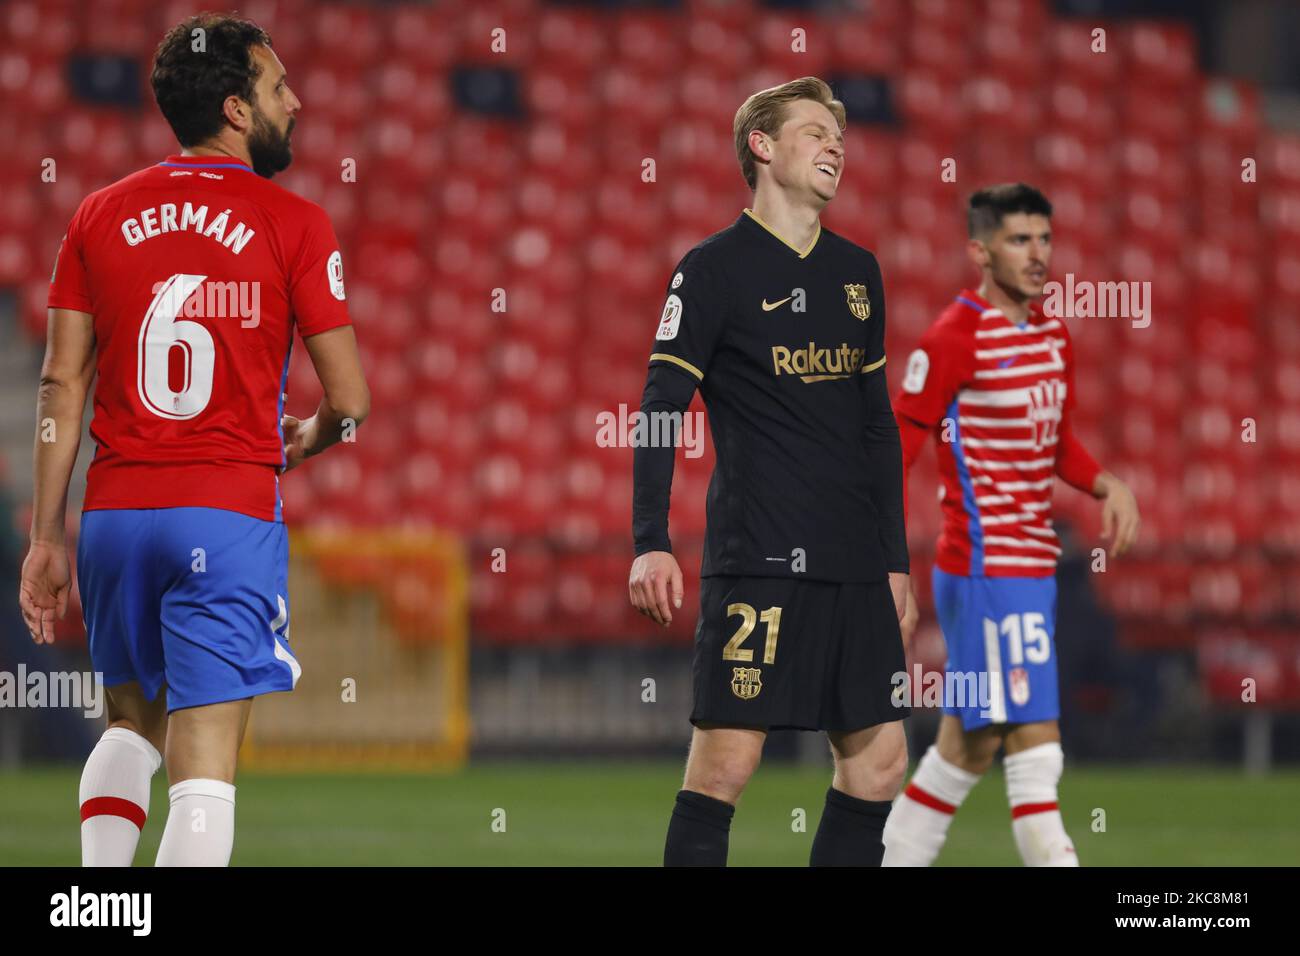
(1025,809)
(928,800)
(113,807)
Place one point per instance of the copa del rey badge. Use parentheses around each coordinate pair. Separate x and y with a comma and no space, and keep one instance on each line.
(334,269)
(671,320)
(859,304)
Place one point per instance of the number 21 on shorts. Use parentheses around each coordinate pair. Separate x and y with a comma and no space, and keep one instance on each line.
(749,617)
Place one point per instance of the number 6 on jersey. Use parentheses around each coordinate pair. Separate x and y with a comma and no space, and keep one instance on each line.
(160,331)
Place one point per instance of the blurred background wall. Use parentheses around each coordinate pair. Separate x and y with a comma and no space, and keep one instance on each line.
(506,255)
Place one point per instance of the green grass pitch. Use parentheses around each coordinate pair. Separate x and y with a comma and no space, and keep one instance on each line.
(576,814)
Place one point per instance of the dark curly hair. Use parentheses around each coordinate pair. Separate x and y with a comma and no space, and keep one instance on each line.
(191,86)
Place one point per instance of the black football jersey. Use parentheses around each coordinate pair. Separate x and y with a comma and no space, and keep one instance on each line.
(783,343)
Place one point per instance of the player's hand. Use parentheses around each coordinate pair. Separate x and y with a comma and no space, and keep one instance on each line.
(655,586)
(898,585)
(299,436)
(907,623)
(1119,514)
(44,588)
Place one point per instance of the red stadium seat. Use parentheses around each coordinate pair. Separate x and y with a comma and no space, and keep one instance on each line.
(1073,46)
(1230,110)
(1161,54)
(931,103)
(864,44)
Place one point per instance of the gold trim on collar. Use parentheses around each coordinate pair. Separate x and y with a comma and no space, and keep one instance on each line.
(802,254)
(664,356)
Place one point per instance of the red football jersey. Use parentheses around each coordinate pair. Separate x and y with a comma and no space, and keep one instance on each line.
(998,397)
(196,271)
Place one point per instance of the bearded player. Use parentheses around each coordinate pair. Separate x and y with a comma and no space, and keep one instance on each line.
(181,286)
(993,381)
(779,323)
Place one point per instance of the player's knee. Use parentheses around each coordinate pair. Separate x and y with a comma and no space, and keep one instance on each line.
(723,777)
(891,772)
(885,776)
(873,775)
(155,735)
(972,753)
(977,760)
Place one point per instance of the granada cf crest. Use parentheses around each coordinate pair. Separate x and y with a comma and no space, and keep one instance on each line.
(1019,686)
(1046,399)
(859,304)
(746,682)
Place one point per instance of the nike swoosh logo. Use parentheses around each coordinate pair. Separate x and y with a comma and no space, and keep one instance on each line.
(775,305)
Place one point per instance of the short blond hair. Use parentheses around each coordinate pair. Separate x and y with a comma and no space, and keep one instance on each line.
(765,111)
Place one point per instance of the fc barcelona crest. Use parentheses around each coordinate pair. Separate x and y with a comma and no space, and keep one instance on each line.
(859,304)
(746,682)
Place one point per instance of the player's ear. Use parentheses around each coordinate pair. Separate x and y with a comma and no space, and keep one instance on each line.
(978,253)
(760,145)
(238,113)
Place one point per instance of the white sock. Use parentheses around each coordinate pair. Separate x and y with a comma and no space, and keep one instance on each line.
(114,797)
(918,823)
(200,827)
(1032,776)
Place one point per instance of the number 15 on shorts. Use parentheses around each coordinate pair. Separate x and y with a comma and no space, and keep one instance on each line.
(1027,638)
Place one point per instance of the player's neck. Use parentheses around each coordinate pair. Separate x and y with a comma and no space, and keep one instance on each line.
(218,148)
(795,223)
(1014,308)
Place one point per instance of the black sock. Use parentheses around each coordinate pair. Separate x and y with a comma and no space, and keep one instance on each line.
(850,831)
(698,830)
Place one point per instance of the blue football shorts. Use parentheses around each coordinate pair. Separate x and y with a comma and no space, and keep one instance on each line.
(1001,637)
(192,599)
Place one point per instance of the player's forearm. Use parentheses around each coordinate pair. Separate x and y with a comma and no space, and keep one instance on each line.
(332,425)
(667,392)
(652,482)
(885,457)
(1076,467)
(887,495)
(911,436)
(59,407)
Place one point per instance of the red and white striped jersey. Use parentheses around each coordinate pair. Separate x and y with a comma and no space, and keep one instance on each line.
(998,398)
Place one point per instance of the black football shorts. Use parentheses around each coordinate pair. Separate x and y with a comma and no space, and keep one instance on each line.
(781,653)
